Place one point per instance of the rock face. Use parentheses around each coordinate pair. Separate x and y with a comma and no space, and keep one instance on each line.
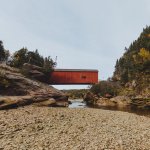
(34,72)
(105,102)
(90,98)
(94,100)
(141,102)
(17,90)
(122,102)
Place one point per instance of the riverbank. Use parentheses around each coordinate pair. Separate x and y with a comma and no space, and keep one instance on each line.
(17,90)
(118,102)
(46,128)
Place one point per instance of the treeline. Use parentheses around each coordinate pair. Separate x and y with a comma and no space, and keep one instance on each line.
(132,70)
(23,56)
(135,62)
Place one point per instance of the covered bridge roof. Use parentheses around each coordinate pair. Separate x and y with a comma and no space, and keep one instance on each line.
(76,70)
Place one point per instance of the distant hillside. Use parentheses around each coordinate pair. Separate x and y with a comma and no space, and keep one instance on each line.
(132,70)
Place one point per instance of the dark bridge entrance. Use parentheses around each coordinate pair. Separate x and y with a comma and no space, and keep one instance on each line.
(73,76)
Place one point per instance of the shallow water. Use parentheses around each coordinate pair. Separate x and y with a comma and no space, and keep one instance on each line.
(79,103)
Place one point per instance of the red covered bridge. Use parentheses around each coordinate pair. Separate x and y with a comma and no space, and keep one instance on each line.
(73,76)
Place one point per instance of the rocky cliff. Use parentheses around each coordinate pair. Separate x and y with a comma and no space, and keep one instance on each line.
(17,90)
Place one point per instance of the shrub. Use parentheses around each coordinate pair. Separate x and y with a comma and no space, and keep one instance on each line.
(104,88)
(33,58)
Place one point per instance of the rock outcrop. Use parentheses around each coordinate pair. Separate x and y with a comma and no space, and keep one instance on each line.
(120,102)
(34,72)
(94,100)
(17,90)
(90,98)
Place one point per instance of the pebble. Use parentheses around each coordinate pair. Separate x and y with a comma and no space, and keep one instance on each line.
(73,129)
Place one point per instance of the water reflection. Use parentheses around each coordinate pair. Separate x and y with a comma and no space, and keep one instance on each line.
(79,103)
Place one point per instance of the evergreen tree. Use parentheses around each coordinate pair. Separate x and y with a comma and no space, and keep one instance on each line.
(19,58)
(135,62)
(35,58)
(2,52)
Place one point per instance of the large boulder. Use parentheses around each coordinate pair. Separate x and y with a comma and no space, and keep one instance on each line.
(90,98)
(94,100)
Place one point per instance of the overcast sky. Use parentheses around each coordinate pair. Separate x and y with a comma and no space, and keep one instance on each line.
(84,34)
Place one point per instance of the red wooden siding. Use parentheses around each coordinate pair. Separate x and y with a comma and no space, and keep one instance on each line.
(74,76)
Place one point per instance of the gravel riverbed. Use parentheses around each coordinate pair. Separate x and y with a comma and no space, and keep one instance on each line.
(43,128)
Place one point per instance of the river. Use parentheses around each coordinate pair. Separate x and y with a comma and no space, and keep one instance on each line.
(79,103)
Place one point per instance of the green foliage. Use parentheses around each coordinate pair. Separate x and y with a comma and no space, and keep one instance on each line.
(34,58)
(22,56)
(76,93)
(19,58)
(7,55)
(135,61)
(2,51)
(4,54)
(48,65)
(104,88)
